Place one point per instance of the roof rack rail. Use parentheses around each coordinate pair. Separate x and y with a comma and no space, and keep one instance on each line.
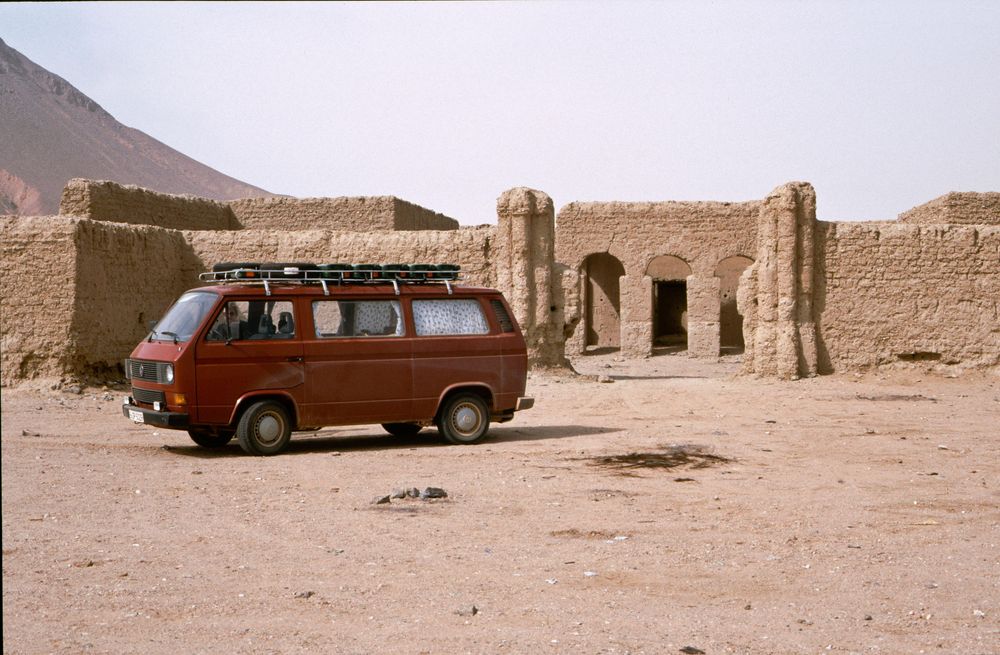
(324,274)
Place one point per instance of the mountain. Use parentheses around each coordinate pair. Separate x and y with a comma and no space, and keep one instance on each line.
(50,132)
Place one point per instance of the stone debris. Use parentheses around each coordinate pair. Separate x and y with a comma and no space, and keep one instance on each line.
(305,594)
(30,433)
(401,493)
(605,379)
(978,613)
(692,650)
(467,611)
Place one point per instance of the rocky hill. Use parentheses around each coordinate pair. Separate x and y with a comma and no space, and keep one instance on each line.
(51,132)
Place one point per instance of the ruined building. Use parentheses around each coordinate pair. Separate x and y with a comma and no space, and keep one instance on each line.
(797,296)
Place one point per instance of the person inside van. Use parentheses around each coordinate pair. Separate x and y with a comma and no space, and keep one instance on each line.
(237,327)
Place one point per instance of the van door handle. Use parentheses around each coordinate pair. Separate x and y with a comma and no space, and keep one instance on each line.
(295,359)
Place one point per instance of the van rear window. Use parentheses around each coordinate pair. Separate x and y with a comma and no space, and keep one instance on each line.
(357,318)
(449,317)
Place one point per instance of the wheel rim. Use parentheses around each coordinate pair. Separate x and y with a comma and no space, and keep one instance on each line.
(466,419)
(269,428)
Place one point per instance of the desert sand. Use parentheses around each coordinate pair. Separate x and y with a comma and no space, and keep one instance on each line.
(852,513)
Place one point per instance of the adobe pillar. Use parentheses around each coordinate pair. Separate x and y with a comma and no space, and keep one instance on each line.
(525,265)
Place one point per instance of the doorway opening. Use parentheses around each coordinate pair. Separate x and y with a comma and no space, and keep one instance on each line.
(670,314)
(730,320)
(669,274)
(602,299)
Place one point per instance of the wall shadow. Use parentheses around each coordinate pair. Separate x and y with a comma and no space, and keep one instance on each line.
(824,365)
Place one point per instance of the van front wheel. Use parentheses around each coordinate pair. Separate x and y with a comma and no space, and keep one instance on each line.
(464,419)
(264,429)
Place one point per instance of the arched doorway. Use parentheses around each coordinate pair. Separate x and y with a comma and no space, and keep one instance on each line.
(669,276)
(730,320)
(602,299)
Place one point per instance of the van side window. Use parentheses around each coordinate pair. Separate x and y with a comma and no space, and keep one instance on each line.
(254,319)
(449,317)
(357,318)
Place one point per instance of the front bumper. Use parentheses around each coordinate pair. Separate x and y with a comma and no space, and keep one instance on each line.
(172,420)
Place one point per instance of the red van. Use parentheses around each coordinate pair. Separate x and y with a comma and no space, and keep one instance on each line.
(272,349)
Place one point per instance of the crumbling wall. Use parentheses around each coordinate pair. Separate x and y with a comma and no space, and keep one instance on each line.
(126,276)
(110,201)
(362,214)
(37,295)
(891,293)
(408,216)
(957,208)
(700,233)
(525,271)
(780,329)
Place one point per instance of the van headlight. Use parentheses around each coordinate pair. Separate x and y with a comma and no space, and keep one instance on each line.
(168,373)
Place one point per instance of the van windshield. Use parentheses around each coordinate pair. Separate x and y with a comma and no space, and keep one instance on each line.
(183,319)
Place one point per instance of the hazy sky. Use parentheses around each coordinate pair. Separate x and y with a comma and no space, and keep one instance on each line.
(880,105)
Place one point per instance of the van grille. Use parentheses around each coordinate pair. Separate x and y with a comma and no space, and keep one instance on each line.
(148,395)
(140,369)
(503,318)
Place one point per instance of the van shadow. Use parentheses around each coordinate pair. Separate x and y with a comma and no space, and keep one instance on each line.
(325,441)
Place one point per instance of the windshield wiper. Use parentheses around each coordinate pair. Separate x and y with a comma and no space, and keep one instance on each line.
(170,334)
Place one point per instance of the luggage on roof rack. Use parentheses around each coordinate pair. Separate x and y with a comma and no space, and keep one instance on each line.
(307,273)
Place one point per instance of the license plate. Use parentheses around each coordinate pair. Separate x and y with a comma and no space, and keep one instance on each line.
(136,416)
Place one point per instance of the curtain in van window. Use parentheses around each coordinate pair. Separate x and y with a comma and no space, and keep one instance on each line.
(441,317)
(378,318)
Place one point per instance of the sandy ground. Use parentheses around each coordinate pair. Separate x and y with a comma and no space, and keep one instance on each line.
(856,514)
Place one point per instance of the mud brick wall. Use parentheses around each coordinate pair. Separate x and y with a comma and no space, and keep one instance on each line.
(890,293)
(109,201)
(702,234)
(37,295)
(126,276)
(957,208)
(469,247)
(361,214)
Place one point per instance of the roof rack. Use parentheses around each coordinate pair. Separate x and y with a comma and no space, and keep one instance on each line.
(339,274)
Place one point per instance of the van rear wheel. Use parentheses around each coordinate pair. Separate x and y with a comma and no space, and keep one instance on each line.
(402,429)
(264,429)
(464,419)
(207,438)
